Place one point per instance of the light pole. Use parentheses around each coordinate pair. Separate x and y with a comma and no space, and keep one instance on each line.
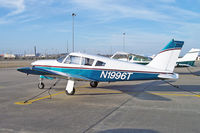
(67,47)
(124,41)
(73,14)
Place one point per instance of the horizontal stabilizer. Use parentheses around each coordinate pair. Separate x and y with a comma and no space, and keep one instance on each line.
(168,76)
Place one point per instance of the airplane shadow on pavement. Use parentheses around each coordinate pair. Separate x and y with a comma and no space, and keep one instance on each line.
(128,130)
(144,90)
(138,91)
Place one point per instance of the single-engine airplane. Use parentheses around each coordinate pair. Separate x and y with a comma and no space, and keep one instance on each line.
(93,68)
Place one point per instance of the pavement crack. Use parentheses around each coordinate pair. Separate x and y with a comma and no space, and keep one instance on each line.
(107,115)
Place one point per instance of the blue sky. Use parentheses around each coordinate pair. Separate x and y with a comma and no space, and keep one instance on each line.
(99,25)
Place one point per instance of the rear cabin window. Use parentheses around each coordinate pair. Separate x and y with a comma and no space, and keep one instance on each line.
(73,60)
(100,63)
(87,61)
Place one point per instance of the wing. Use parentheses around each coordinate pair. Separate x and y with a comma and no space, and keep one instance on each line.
(51,73)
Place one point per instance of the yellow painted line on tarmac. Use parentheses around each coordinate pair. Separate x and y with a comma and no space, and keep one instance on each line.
(41,98)
(99,90)
(167,94)
(34,100)
(104,91)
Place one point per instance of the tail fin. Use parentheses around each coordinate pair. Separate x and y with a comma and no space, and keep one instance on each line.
(166,59)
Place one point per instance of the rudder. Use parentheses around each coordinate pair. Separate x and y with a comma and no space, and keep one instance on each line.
(166,59)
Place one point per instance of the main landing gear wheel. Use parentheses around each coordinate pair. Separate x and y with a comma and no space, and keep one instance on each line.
(71,93)
(93,84)
(41,85)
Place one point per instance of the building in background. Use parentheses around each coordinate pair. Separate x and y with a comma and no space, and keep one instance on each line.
(9,56)
(29,55)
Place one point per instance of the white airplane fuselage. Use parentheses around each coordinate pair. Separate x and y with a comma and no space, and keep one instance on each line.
(113,70)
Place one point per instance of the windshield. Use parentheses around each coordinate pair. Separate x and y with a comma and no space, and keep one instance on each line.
(61,59)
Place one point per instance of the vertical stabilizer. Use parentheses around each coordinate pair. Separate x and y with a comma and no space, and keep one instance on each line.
(166,59)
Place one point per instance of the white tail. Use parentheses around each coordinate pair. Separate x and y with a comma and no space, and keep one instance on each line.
(189,58)
(166,59)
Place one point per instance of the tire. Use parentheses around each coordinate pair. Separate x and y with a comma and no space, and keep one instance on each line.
(41,85)
(72,93)
(93,84)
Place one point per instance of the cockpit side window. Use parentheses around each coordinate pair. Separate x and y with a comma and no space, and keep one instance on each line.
(87,61)
(100,63)
(73,60)
(61,59)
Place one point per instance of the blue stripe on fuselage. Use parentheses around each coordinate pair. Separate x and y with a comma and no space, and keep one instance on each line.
(105,75)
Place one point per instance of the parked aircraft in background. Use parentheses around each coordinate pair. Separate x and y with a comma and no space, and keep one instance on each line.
(134,58)
(93,68)
(189,58)
(186,61)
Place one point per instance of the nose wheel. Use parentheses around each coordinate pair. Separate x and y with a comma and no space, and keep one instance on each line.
(70,90)
(41,85)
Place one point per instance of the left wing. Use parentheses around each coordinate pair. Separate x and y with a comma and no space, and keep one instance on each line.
(50,73)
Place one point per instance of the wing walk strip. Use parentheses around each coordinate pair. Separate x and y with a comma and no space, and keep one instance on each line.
(103,91)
